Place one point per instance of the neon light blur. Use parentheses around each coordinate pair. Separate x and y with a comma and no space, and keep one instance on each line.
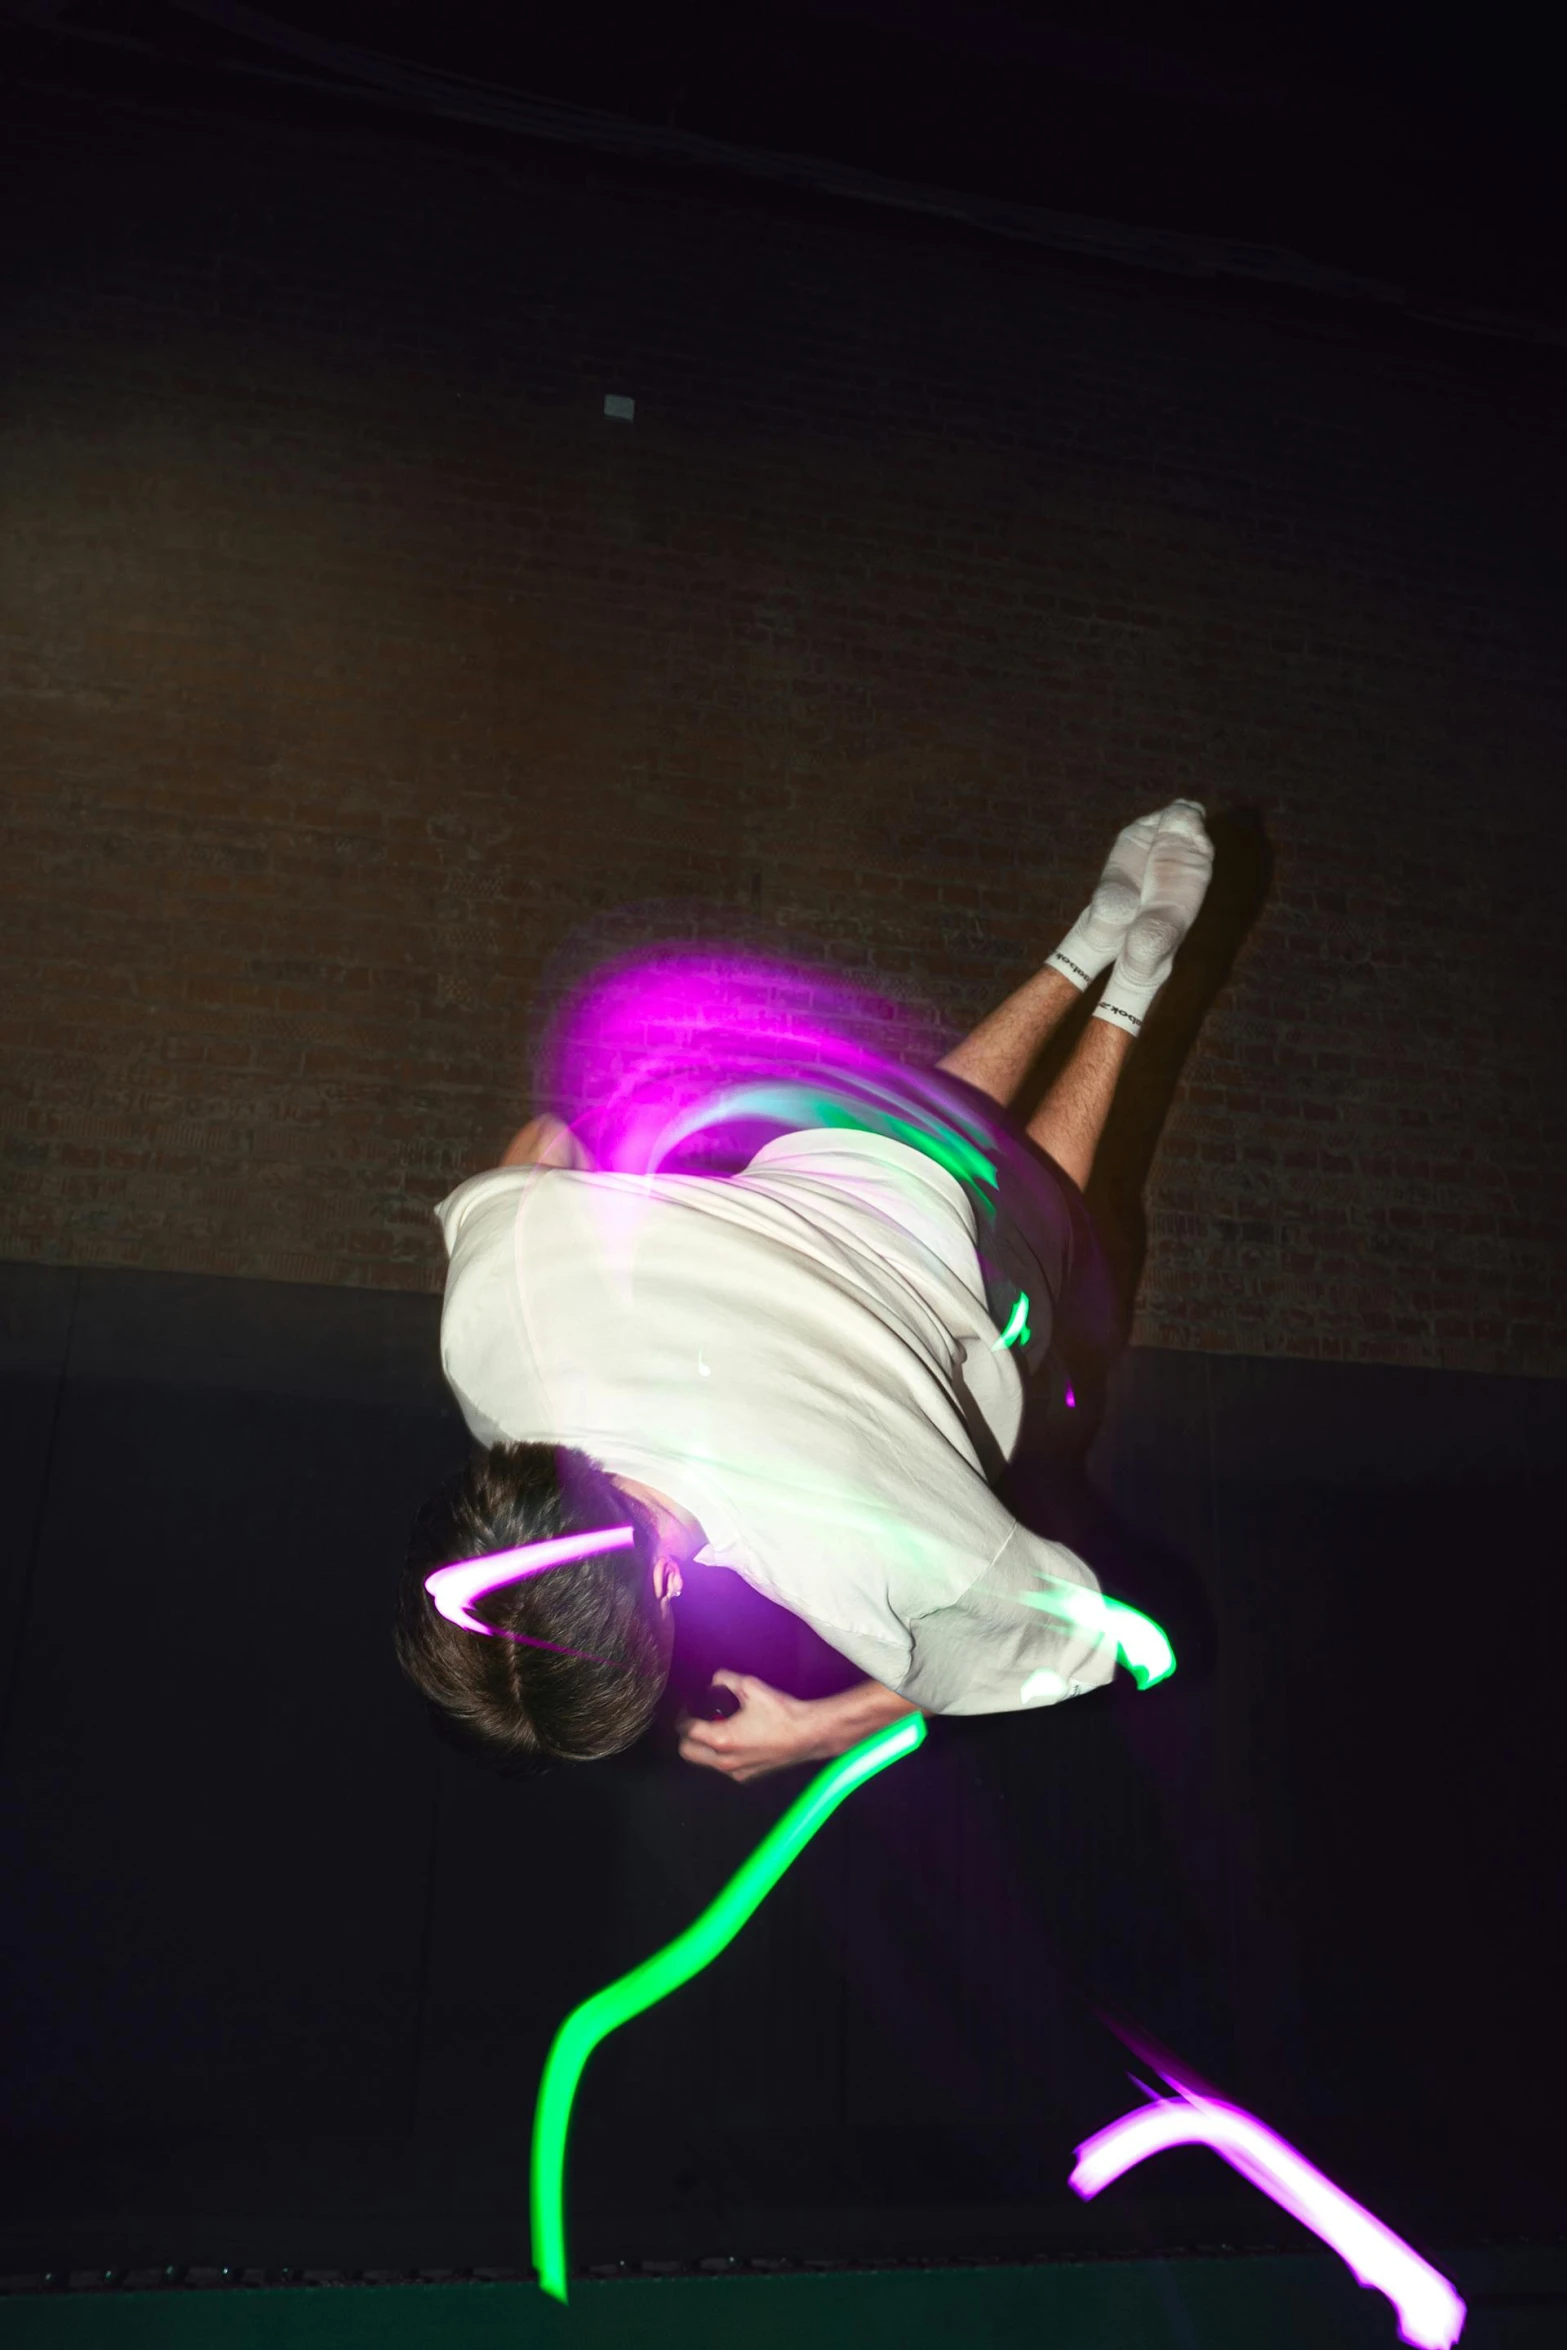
(1141,1644)
(678,1046)
(675,1964)
(1016,1330)
(1430,2313)
(453,1589)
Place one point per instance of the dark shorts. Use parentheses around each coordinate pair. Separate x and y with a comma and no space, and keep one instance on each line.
(1036,1240)
(1047,1282)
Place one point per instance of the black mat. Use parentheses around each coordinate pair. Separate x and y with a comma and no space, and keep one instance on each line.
(277,1971)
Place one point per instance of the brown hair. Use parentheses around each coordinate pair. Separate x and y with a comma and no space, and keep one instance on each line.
(512,1703)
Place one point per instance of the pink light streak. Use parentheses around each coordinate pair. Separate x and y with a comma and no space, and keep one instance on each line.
(1430,2313)
(453,1589)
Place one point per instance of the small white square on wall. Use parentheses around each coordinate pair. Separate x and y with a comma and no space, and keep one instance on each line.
(616,404)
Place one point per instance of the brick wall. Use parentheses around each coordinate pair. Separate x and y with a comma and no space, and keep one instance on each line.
(361,678)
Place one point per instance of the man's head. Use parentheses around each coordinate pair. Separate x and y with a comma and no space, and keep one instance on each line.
(585,1675)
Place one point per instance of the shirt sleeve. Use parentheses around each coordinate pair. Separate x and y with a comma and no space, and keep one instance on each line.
(997,1650)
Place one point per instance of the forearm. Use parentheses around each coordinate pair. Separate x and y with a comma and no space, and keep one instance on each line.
(772,1730)
(545,1142)
(834,1724)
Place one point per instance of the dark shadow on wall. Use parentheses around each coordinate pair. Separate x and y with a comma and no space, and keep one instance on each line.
(1242,880)
(1046,1484)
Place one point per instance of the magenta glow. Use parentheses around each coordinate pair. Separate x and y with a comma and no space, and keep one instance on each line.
(1430,2313)
(660,1046)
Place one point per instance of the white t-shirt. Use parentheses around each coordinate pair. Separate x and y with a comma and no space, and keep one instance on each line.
(801,1357)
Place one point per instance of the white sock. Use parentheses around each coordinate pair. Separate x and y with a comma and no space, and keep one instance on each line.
(1094,940)
(1175,882)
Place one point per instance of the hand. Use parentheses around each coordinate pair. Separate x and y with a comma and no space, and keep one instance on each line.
(769,1732)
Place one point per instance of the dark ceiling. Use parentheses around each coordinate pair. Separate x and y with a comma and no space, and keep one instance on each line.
(1375,140)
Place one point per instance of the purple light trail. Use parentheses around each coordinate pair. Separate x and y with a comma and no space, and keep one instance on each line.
(1430,2313)
(453,1589)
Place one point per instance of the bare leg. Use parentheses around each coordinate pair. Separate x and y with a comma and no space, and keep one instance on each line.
(1071,1118)
(1000,1052)
(998,1055)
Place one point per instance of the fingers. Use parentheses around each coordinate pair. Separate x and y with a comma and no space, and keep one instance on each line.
(705,1742)
(719,1743)
(700,1733)
(710,1756)
(697,1732)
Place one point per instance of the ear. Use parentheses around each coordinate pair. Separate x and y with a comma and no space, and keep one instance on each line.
(668,1582)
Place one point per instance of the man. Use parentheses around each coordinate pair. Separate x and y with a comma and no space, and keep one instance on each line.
(799,1373)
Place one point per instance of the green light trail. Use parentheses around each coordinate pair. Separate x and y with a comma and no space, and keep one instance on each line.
(1142,1645)
(799,1106)
(675,1964)
(1017,1328)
